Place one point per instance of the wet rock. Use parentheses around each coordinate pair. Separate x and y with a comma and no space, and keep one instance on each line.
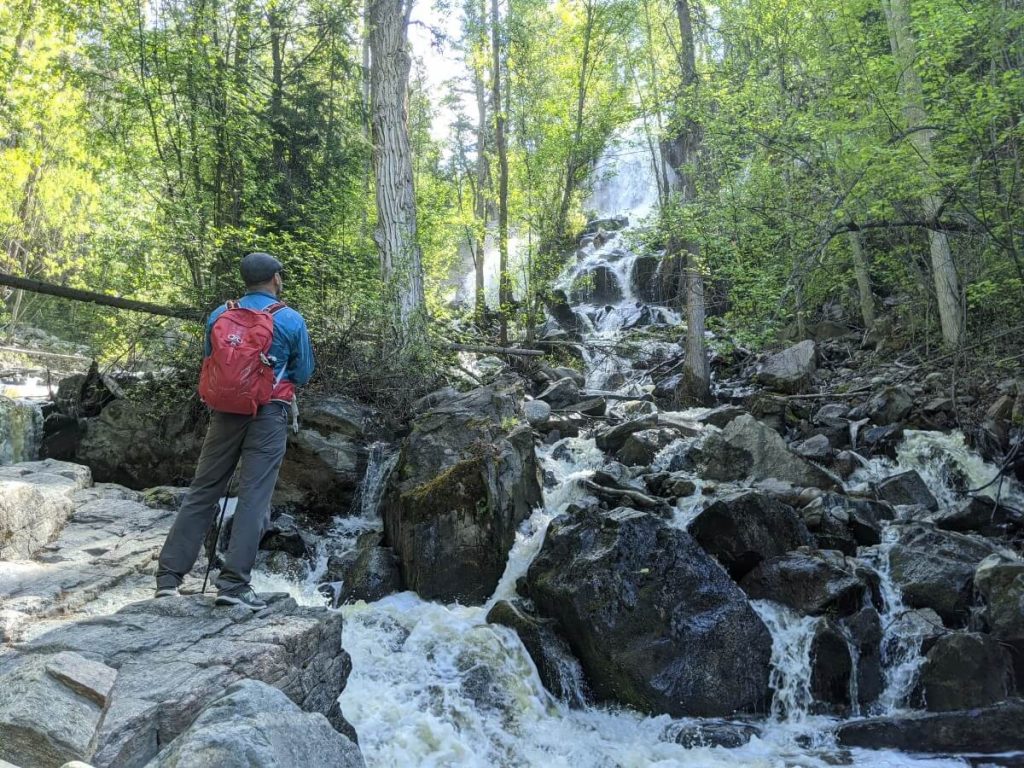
(598,285)
(369,573)
(712,733)
(155,645)
(254,725)
(671,484)
(719,416)
(655,622)
(561,394)
(812,583)
(935,569)
(790,370)
(832,415)
(537,412)
(845,464)
(559,670)
(748,448)
(284,535)
(831,668)
(644,279)
(746,529)
(880,441)
(557,304)
(614,497)
(843,523)
(35,503)
(991,729)
(865,632)
(982,515)
(466,478)
(906,488)
(641,447)
(890,405)
(613,438)
(1000,583)
(680,423)
(323,468)
(595,406)
(964,670)
(816,448)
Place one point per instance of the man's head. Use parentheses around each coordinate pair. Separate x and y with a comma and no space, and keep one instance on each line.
(261,272)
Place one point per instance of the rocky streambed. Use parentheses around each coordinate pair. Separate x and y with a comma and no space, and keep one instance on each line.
(550,566)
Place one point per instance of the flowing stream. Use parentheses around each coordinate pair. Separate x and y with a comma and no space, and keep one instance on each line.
(436,685)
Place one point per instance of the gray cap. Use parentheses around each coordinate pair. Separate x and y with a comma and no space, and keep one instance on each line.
(258,267)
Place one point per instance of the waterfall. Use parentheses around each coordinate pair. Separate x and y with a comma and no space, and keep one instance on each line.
(21,430)
(790,679)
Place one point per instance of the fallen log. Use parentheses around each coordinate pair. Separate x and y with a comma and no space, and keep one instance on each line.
(486,350)
(76,294)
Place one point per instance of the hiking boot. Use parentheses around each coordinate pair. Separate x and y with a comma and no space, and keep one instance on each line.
(246,597)
(166,592)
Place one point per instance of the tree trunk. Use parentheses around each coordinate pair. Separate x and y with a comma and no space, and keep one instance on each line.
(400,258)
(947,282)
(504,279)
(861,269)
(480,192)
(695,385)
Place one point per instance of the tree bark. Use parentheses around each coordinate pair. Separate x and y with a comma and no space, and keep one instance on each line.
(695,385)
(947,282)
(400,257)
(482,173)
(504,279)
(861,269)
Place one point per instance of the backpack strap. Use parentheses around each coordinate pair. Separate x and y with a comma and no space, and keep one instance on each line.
(232,304)
(275,307)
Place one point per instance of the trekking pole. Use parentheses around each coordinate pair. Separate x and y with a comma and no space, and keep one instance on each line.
(216,541)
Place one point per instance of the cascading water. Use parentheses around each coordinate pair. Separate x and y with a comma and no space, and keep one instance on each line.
(21,430)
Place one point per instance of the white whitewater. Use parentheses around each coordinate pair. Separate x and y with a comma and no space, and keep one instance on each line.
(21,430)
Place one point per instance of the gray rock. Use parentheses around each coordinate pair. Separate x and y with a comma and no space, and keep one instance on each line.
(254,725)
(890,405)
(992,729)
(832,415)
(369,574)
(712,733)
(613,438)
(339,415)
(790,370)
(51,705)
(907,488)
(816,448)
(536,412)
(864,630)
(811,583)
(598,285)
(172,657)
(655,622)
(935,569)
(1001,585)
(964,670)
(746,448)
(982,515)
(559,670)
(466,478)
(720,416)
(561,394)
(745,529)
(831,668)
(562,371)
(323,468)
(35,503)
(880,440)
(641,447)
(131,444)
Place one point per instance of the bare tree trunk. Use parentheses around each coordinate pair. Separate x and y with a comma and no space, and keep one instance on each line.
(504,279)
(947,282)
(861,269)
(400,258)
(480,192)
(695,385)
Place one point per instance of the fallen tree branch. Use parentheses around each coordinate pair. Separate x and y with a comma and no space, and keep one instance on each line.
(44,353)
(487,350)
(75,294)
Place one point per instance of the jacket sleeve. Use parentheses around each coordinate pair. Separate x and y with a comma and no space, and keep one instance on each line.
(301,363)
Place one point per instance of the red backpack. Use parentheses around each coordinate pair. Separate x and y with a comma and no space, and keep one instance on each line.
(238,377)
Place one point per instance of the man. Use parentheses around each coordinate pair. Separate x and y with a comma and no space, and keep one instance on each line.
(258,441)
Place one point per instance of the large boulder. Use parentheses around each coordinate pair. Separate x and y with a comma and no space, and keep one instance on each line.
(831,668)
(36,500)
(644,279)
(935,569)
(745,529)
(559,670)
(169,658)
(254,725)
(890,405)
(746,448)
(906,488)
(467,476)
(988,730)
(655,622)
(864,630)
(368,573)
(598,285)
(1000,582)
(790,370)
(964,670)
(133,444)
(812,583)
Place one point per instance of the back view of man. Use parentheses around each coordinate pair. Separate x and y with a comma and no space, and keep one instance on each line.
(257,440)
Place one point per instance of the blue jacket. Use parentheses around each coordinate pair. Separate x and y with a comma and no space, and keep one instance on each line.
(291,346)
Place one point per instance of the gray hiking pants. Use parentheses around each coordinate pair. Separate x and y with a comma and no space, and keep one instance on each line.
(259,441)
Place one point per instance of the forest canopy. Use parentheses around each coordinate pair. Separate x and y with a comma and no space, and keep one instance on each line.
(812,157)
